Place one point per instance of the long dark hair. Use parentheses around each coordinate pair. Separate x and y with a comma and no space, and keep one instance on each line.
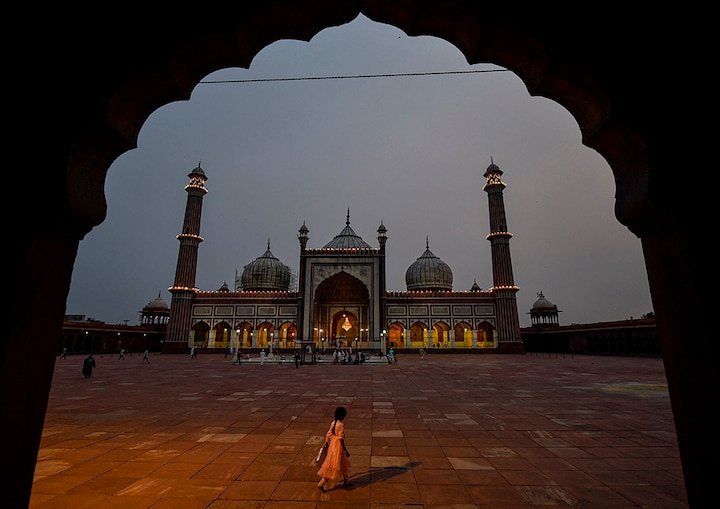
(340,413)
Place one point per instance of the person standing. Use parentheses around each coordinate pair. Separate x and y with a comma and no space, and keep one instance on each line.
(422,353)
(193,353)
(145,357)
(262,357)
(88,365)
(63,355)
(297,360)
(337,459)
(122,354)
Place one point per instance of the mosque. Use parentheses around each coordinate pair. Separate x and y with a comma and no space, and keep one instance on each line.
(341,300)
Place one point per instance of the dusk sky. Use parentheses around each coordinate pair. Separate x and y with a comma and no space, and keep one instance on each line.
(407,151)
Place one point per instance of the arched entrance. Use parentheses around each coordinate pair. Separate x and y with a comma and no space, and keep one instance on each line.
(286,335)
(396,336)
(341,312)
(418,335)
(221,338)
(441,335)
(243,335)
(200,334)
(344,331)
(486,335)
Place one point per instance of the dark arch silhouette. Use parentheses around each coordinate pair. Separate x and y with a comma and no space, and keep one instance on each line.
(83,93)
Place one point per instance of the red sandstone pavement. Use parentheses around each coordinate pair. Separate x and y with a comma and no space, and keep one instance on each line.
(450,431)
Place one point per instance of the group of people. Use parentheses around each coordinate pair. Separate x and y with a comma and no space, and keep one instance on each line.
(347,357)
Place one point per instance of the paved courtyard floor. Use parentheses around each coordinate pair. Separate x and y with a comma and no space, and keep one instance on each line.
(449,431)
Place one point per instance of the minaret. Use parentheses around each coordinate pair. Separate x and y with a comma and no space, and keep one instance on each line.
(183,289)
(303,239)
(382,240)
(508,322)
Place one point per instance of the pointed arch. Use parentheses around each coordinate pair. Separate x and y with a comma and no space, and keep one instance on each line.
(440,335)
(265,334)
(222,333)
(463,337)
(396,335)
(485,335)
(418,335)
(200,333)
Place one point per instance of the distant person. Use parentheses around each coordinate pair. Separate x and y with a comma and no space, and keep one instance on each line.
(262,357)
(63,355)
(422,353)
(145,357)
(193,353)
(297,360)
(337,458)
(122,354)
(88,365)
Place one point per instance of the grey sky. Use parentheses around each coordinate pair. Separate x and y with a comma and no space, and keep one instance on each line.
(407,151)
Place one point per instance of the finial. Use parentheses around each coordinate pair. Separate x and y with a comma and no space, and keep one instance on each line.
(268,248)
(427,242)
(347,220)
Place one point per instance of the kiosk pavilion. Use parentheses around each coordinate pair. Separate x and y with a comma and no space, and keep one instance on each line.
(341,300)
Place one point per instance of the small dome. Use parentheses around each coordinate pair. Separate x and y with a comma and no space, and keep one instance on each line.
(475,287)
(543,304)
(347,238)
(266,273)
(429,273)
(197,171)
(157,304)
(224,287)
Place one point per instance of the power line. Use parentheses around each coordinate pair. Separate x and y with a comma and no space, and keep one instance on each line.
(352,76)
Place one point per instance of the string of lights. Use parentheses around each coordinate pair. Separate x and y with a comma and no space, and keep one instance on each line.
(352,76)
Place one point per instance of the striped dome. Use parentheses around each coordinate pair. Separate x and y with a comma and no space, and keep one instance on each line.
(266,273)
(429,273)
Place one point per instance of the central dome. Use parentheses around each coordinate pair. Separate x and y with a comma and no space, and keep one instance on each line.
(266,274)
(429,273)
(347,238)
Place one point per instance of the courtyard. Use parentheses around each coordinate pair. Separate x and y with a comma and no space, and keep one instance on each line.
(449,431)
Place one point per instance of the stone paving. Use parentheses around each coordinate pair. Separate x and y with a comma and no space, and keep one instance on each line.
(449,431)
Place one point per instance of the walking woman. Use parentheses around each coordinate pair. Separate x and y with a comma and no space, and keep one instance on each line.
(337,461)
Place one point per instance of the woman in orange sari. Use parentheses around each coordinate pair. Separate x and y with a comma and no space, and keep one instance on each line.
(337,463)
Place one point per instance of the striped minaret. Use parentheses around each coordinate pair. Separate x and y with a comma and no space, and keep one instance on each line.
(506,311)
(183,289)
